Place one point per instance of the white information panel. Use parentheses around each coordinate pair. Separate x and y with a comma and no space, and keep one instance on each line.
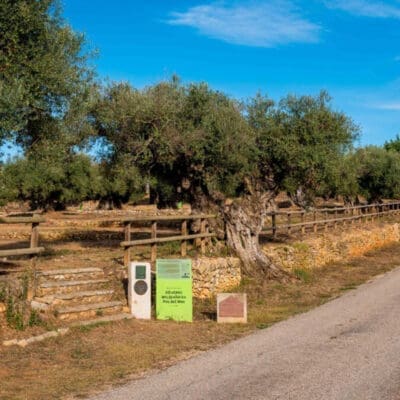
(139,290)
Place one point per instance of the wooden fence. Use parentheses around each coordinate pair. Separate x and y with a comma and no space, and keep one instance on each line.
(183,238)
(327,218)
(33,248)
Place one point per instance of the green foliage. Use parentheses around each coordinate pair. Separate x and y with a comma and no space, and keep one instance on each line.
(9,309)
(303,275)
(34,318)
(302,142)
(45,89)
(50,179)
(42,68)
(119,182)
(15,314)
(378,173)
(15,297)
(393,144)
(3,293)
(24,287)
(181,139)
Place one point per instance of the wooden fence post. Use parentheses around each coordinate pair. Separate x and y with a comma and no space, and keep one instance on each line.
(34,244)
(273,221)
(183,242)
(303,228)
(127,251)
(315,219)
(35,235)
(154,245)
(203,239)
(289,220)
(326,223)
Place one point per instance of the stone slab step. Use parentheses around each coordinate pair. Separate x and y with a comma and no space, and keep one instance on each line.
(88,310)
(107,318)
(57,287)
(69,298)
(68,271)
(69,274)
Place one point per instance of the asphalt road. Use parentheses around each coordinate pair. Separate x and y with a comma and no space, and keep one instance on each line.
(346,349)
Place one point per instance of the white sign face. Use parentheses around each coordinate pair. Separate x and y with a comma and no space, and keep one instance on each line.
(139,290)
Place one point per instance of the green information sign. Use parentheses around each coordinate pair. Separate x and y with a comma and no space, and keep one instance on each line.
(174,290)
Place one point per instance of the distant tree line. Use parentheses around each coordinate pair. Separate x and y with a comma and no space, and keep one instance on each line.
(83,140)
(191,143)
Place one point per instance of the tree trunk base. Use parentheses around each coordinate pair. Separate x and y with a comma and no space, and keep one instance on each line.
(244,219)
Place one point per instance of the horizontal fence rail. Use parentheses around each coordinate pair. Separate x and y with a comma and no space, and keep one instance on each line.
(327,217)
(34,247)
(183,238)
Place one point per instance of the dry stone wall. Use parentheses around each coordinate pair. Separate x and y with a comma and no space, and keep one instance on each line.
(215,275)
(318,250)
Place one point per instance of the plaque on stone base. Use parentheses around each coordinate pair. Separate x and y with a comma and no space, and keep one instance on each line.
(232,307)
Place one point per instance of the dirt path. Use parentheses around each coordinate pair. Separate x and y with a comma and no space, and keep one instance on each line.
(348,348)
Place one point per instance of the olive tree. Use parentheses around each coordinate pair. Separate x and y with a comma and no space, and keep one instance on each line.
(378,172)
(192,142)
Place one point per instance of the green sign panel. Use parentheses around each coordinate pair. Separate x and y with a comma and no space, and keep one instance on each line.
(174,290)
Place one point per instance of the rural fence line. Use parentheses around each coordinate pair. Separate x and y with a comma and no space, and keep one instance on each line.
(278,221)
(327,217)
(183,238)
(33,248)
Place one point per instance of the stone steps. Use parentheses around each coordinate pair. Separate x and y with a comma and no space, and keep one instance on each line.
(88,310)
(73,298)
(47,288)
(69,274)
(76,294)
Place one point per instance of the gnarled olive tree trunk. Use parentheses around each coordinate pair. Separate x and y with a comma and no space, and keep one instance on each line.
(244,220)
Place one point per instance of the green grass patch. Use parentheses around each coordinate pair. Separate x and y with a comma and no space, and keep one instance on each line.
(303,274)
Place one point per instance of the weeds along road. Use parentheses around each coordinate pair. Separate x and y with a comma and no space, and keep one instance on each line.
(348,348)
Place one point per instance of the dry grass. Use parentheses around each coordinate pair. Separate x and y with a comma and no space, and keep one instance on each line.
(90,359)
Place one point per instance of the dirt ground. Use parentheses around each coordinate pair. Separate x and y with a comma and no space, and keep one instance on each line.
(89,359)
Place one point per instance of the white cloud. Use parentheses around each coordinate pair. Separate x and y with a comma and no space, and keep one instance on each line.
(365,8)
(395,106)
(267,24)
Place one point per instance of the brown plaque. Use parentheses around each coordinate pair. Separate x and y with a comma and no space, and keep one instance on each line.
(232,307)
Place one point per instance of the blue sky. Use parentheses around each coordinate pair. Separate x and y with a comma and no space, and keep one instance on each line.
(349,47)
